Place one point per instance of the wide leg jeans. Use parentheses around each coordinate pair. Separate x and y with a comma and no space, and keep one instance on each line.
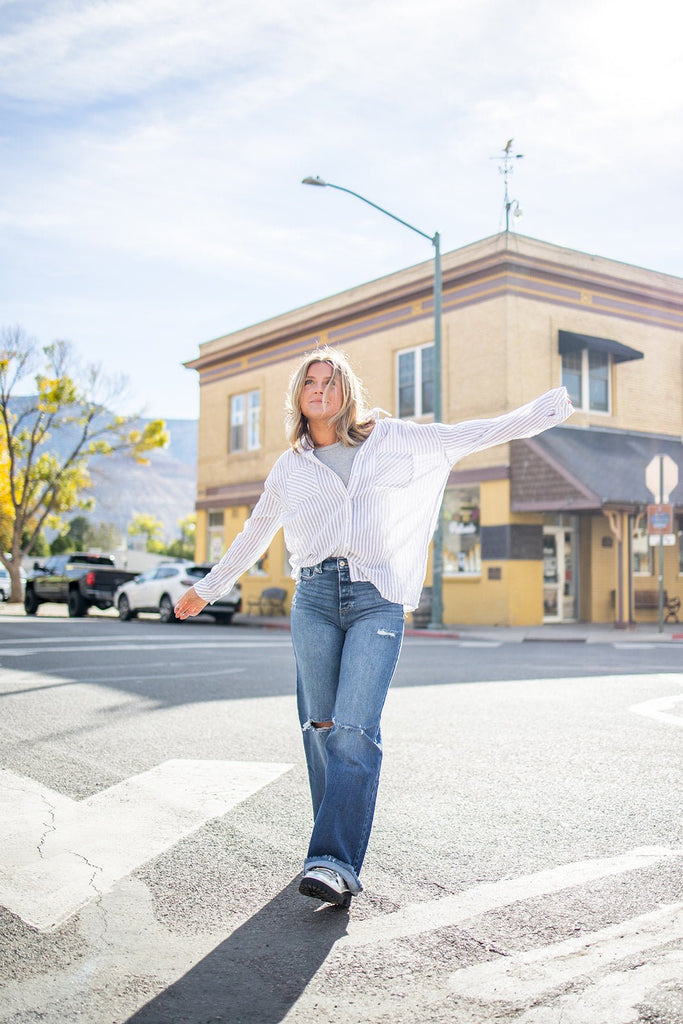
(347,640)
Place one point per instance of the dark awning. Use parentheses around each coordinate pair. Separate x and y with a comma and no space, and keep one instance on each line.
(574,469)
(570,342)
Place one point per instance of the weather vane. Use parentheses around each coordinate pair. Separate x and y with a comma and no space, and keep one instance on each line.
(506,168)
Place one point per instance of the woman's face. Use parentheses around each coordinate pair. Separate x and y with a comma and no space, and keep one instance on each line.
(318,401)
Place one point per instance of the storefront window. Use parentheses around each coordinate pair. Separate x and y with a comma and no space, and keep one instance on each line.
(461,535)
(643,553)
(214,535)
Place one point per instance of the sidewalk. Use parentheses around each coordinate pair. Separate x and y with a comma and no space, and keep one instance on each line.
(577,632)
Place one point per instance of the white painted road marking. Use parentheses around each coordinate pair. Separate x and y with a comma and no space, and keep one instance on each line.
(531,975)
(15,652)
(10,652)
(58,854)
(633,645)
(38,641)
(659,709)
(452,910)
(615,998)
(27,683)
(479,643)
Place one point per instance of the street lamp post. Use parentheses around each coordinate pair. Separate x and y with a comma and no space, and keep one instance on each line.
(436,620)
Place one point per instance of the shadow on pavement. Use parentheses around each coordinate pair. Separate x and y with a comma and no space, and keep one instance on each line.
(259,972)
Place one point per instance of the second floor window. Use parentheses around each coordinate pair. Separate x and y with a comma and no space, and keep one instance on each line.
(586,376)
(245,422)
(416,382)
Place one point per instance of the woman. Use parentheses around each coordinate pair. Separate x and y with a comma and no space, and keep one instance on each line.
(358,497)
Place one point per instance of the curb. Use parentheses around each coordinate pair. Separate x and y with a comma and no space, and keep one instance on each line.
(488,634)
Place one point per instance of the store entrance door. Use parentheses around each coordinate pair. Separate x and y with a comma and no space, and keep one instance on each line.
(559,574)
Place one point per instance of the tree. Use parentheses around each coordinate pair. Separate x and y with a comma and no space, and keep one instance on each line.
(40,480)
(83,535)
(103,536)
(183,546)
(151,528)
(74,537)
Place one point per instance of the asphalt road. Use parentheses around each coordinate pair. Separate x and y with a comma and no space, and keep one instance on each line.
(525,863)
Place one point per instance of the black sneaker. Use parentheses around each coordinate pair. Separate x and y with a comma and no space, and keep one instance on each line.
(325,884)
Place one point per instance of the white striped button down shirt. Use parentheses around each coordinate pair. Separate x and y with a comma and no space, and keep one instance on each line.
(383,520)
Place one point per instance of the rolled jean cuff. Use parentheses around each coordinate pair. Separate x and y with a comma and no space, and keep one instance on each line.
(345,870)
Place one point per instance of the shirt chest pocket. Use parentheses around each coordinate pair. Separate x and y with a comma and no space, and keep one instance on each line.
(391,469)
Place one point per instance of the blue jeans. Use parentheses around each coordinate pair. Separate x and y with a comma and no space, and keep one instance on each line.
(347,639)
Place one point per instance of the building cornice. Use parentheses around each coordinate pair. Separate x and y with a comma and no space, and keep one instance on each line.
(504,265)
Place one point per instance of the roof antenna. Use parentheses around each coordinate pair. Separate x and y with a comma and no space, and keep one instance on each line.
(506,168)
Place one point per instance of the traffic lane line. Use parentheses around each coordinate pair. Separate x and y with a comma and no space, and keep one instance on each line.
(534,974)
(138,677)
(146,646)
(169,641)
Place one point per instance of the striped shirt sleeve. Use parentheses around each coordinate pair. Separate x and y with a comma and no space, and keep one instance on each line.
(247,547)
(470,436)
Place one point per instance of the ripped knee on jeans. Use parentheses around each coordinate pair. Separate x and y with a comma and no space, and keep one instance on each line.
(310,724)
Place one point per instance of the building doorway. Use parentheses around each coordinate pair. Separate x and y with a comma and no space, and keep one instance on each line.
(559,574)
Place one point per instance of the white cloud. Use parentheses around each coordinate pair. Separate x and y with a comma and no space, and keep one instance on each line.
(164,142)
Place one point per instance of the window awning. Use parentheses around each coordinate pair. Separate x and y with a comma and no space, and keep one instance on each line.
(570,342)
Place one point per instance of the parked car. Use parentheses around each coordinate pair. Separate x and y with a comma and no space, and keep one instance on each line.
(158,590)
(77,579)
(6,583)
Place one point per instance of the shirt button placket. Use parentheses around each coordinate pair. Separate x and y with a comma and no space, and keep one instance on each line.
(345,591)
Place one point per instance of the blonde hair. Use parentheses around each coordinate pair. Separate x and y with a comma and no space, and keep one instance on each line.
(352,422)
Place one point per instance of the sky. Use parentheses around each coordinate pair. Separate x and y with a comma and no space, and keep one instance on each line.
(152,151)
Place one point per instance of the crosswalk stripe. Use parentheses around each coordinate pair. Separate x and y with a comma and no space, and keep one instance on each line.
(452,910)
(58,854)
(615,998)
(532,974)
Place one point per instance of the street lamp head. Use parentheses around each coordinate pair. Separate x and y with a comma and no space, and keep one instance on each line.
(313,181)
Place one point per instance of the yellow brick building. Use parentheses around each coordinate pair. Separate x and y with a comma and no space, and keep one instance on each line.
(550,529)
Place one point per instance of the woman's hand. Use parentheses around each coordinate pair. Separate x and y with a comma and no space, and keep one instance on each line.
(189,604)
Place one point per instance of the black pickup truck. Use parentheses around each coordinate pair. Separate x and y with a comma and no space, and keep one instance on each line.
(77,580)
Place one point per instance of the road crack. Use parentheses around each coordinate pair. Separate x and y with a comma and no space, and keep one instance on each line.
(49,826)
(99,894)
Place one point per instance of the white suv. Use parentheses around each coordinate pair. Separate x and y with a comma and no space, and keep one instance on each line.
(159,589)
(6,583)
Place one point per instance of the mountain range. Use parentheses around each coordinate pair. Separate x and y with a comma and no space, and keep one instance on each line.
(165,488)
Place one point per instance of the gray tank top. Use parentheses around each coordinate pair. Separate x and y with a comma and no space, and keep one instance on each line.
(337,457)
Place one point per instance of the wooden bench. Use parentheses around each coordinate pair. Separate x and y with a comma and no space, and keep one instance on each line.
(648,600)
(271,602)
